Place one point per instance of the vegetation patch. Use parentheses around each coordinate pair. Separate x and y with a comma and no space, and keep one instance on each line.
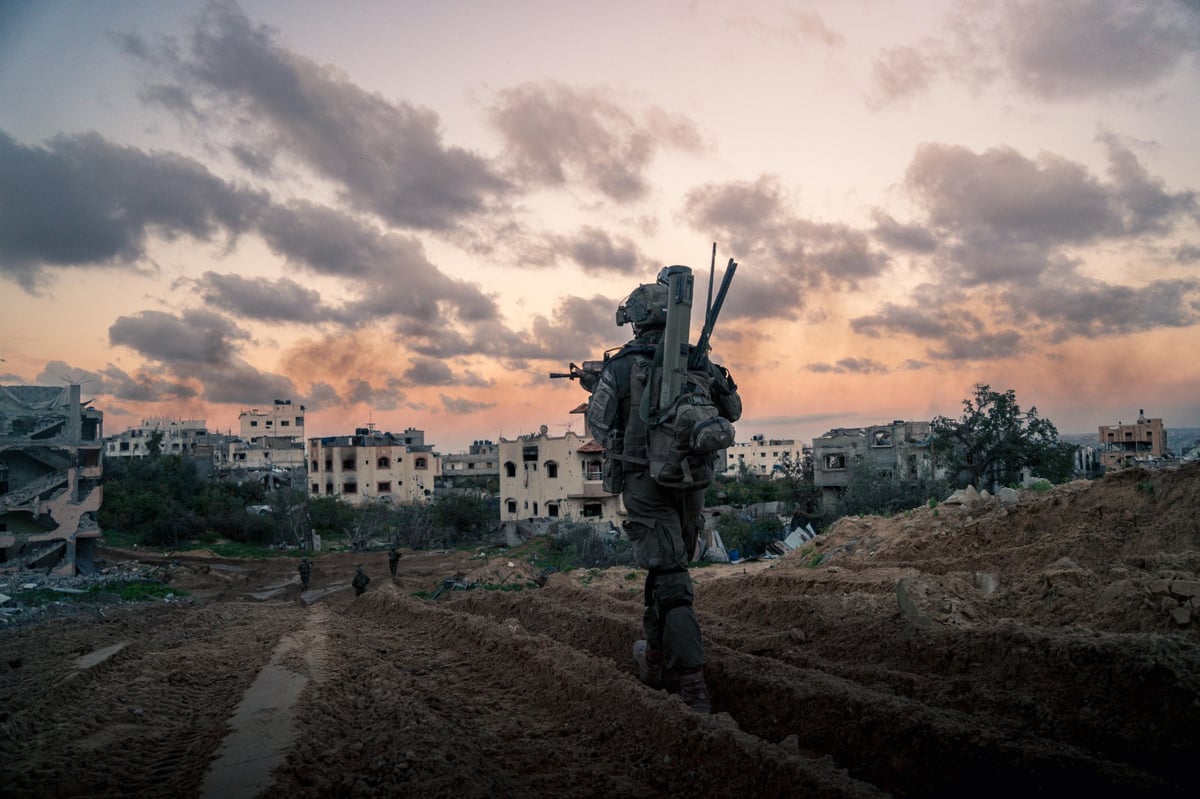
(125,590)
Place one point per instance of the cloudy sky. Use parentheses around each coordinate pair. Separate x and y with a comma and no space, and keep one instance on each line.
(409,213)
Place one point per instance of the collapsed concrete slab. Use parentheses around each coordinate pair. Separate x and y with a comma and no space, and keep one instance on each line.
(51,468)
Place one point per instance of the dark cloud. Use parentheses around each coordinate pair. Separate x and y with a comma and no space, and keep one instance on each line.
(460,406)
(116,383)
(1053,51)
(579,329)
(202,346)
(236,381)
(1187,253)
(1093,309)
(387,157)
(555,134)
(1002,217)
(1089,47)
(81,201)
(194,338)
(598,251)
(790,254)
(905,238)
(918,321)
(429,372)
(955,333)
(1146,205)
(863,366)
(391,273)
(983,347)
(268,300)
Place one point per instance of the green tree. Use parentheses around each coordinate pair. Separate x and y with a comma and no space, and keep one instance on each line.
(872,491)
(994,440)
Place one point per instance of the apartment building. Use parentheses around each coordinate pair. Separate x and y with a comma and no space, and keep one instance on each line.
(766,457)
(556,477)
(176,437)
(901,449)
(51,469)
(271,440)
(1125,444)
(482,459)
(373,466)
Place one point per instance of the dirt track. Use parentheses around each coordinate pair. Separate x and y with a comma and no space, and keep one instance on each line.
(982,649)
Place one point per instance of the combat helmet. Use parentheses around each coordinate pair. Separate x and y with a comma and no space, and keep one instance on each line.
(645,307)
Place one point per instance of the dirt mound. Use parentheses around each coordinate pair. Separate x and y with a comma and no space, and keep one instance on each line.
(996,645)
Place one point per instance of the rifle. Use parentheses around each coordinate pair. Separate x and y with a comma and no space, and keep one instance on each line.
(575,372)
(712,311)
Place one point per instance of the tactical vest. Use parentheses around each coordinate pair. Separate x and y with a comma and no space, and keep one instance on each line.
(676,445)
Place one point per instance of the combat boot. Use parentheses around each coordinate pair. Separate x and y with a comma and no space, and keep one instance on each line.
(694,691)
(649,662)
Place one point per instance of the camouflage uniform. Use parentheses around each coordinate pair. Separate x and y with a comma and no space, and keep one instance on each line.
(360,581)
(393,560)
(305,572)
(663,524)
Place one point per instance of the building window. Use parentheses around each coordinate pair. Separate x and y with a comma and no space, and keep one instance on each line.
(268,423)
(347,464)
(835,461)
(124,446)
(283,422)
(385,488)
(881,438)
(529,453)
(254,423)
(593,470)
(511,505)
(316,488)
(329,488)
(299,421)
(551,469)
(314,466)
(384,463)
(510,469)
(328,465)
(552,510)
(421,463)
(349,488)
(592,509)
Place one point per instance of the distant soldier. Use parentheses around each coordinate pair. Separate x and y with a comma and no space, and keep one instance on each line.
(360,581)
(305,573)
(393,560)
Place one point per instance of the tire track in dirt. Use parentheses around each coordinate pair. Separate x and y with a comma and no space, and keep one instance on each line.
(162,700)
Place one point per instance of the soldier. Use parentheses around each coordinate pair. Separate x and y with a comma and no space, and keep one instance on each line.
(662,523)
(305,572)
(360,581)
(393,560)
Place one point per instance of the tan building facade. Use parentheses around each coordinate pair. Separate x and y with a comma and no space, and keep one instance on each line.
(1122,444)
(766,457)
(178,437)
(373,466)
(555,477)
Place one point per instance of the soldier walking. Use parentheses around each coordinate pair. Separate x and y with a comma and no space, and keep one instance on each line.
(663,522)
(393,560)
(305,573)
(360,581)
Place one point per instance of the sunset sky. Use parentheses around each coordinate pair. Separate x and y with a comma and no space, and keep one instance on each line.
(408,213)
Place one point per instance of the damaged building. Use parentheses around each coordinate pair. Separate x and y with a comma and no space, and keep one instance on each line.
(50,477)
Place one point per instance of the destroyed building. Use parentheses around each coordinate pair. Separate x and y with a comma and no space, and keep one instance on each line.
(51,445)
(901,450)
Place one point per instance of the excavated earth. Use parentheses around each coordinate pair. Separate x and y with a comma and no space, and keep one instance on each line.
(1036,645)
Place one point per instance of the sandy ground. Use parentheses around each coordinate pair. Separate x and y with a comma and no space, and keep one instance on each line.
(1027,649)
